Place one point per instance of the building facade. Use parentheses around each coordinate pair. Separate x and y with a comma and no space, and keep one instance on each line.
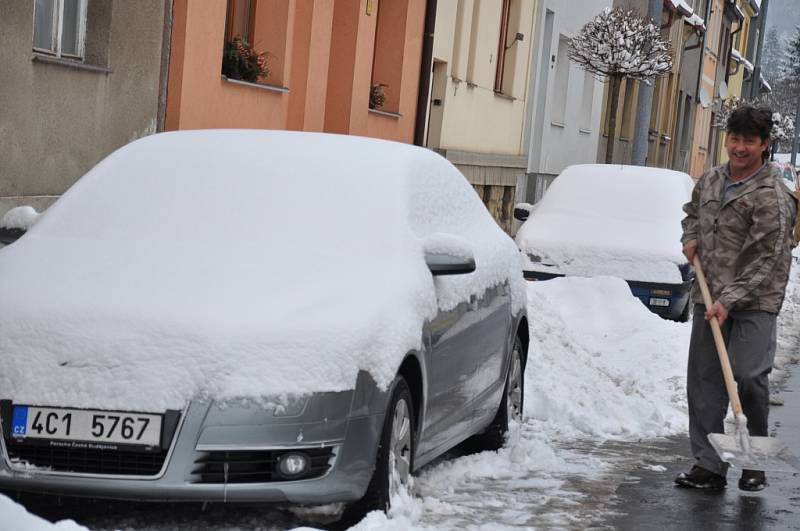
(349,66)
(479,95)
(80,79)
(563,118)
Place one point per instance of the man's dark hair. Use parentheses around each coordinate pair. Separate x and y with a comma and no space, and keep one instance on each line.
(750,121)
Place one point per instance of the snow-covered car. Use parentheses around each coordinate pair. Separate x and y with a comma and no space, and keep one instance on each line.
(615,220)
(256,316)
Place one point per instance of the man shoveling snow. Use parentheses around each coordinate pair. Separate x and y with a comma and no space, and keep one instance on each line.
(739,222)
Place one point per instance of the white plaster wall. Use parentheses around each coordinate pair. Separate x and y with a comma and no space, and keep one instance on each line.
(474,118)
(556,146)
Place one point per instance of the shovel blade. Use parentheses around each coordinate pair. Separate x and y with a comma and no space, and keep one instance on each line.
(764,453)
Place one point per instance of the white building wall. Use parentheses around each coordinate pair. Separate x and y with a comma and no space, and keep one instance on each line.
(563,121)
(467,114)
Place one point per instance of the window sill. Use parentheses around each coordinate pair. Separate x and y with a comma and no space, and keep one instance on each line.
(263,86)
(386,113)
(69,63)
(557,124)
(504,96)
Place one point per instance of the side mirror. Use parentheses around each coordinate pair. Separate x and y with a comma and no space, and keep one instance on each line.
(445,264)
(16,222)
(522,211)
(8,236)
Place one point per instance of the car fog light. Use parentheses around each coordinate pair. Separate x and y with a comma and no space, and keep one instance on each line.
(293,464)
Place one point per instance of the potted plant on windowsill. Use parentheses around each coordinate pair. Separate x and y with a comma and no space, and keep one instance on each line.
(377,97)
(241,61)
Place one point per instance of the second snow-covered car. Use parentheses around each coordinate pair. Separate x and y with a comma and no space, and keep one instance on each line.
(622,221)
(256,316)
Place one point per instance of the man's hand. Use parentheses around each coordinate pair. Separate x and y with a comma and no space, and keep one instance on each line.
(690,249)
(717,310)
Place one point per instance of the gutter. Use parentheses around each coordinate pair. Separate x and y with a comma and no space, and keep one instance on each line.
(163,81)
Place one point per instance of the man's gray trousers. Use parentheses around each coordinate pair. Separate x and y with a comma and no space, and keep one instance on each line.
(751,339)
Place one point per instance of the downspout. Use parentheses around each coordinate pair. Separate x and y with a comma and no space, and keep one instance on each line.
(703,52)
(738,64)
(426,71)
(166,46)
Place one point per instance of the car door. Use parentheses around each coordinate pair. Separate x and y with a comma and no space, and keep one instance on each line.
(448,410)
(488,342)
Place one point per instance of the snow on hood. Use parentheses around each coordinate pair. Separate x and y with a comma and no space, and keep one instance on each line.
(229,264)
(623,221)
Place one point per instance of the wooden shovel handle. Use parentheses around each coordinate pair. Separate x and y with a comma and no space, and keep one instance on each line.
(722,351)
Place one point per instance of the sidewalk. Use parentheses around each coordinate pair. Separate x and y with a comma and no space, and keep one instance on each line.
(647,499)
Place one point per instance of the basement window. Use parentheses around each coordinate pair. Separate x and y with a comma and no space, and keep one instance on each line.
(59,27)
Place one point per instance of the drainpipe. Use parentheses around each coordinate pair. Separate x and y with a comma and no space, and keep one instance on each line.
(755,86)
(703,52)
(166,45)
(644,104)
(426,70)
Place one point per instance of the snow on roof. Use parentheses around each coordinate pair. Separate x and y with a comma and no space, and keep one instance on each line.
(739,13)
(737,56)
(226,264)
(682,7)
(597,219)
(696,21)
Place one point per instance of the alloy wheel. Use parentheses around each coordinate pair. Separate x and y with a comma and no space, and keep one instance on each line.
(514,387)
(400,448)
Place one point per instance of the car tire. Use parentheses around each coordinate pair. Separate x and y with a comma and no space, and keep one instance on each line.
(511,406)
(686,314)
(395,459)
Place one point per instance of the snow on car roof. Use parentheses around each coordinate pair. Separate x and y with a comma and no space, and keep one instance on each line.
(230,263)
(598,219)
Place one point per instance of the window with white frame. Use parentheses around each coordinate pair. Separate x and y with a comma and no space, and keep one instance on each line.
(59,27)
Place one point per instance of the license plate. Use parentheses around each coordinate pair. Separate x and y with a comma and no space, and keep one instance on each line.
(83,425)
(659,302)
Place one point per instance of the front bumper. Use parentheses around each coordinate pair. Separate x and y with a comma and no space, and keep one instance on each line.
(206,427)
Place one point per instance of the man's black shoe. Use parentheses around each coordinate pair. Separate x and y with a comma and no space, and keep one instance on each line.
(700,478)
(752,480)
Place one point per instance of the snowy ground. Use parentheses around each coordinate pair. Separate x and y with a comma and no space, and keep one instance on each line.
(604,378)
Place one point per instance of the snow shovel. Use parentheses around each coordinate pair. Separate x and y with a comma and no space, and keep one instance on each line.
(740,449)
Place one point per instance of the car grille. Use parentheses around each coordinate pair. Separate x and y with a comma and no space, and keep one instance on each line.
(88,461)
(260,466)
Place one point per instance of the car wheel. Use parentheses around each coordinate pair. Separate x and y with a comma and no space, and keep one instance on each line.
(686,314)
(394,462)
(511,406)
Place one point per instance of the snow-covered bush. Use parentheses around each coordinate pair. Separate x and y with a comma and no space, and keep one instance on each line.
(620,44)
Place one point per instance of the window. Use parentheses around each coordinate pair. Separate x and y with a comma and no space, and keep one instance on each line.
(59,27)
(561,82)
(508,47)
(587,101)
(501,46)
(239,20)
(387,59)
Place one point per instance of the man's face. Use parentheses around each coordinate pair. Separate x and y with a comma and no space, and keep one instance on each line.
(744,151)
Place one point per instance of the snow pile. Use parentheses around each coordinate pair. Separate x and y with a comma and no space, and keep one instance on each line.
(597,219)
(139,291)
(21,218)
(14,517)
(600,364)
